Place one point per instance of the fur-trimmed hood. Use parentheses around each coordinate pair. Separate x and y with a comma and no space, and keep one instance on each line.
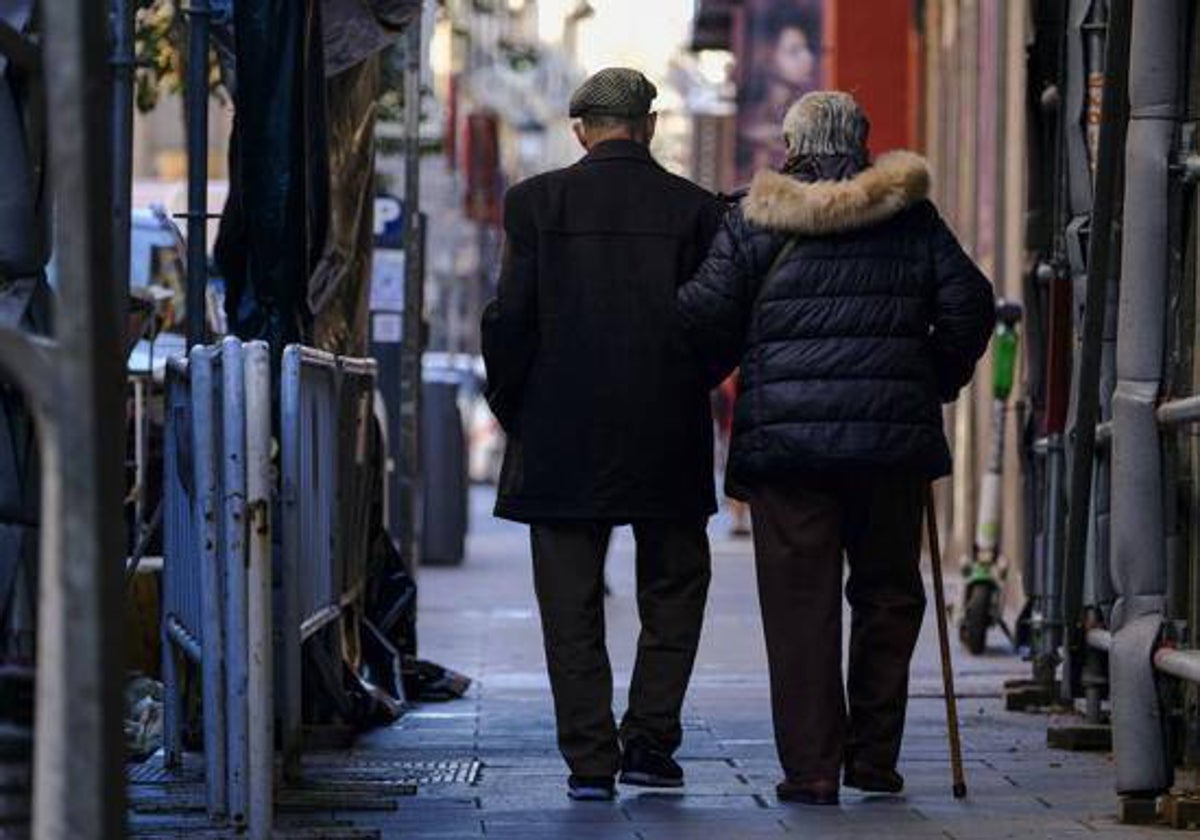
(781,202)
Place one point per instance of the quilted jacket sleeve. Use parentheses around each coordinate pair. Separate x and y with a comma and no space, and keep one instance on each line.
(714,308)
(964,312)
(509,328)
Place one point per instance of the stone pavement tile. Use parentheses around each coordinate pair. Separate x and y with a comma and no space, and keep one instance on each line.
(745,810)
(986,823)
(578,816)
(508,765)
(855,811)
(546,802)
(431,826)
(1000,829)
(700,831)
(1107,828)
(539,831)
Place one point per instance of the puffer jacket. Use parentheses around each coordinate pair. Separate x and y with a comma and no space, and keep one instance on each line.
(873,320)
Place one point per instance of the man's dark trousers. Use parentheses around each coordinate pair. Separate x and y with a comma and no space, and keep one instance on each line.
(673,571)
(802,528)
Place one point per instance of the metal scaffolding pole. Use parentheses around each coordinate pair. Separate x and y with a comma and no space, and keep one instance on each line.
(122,134)
(199,14)
(1139,562)
(414,305)
(1087,380)
(78,768)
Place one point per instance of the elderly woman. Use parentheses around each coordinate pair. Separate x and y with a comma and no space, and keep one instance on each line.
(853,314)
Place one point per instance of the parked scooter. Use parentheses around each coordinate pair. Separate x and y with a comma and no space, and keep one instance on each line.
(986,572)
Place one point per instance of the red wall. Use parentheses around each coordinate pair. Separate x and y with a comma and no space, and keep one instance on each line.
(871,52)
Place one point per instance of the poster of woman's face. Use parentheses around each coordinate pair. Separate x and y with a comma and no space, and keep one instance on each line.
(779,61)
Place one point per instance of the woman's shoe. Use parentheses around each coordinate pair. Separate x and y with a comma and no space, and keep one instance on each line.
(870,779)
(823,792)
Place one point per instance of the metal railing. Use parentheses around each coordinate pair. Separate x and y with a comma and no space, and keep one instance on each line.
(218,553)
(1180,663)
(326,476)
(217,573)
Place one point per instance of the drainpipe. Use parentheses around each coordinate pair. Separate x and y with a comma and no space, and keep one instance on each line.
(1139,562)
(1100,271)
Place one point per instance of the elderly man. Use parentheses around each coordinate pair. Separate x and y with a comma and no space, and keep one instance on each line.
(854,314)
(608,424)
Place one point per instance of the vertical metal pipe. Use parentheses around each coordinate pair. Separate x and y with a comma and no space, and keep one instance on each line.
(1193,432)
(962,171)
(233,565)
(176,522)
(1046,658)
(1139,552)
(122,133)
(140,453)
(205,484)
(78,789)
(290,709)
(1000,213)
(197,172)
(1054,273)
(1087,381)
(1048,616)
(414,303)
(259,698)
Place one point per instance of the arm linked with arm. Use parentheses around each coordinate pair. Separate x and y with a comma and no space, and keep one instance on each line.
(509,327)
(714,307)
(964,312)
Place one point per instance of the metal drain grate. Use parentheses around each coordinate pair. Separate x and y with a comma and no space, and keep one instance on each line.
(419,773)
(334,768)
(152,772)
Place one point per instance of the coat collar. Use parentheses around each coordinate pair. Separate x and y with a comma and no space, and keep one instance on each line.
(781,202)
(618,150)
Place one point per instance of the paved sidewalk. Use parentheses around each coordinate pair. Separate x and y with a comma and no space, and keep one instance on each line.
(481,619)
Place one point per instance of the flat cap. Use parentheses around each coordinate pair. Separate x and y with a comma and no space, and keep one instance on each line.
(614,92)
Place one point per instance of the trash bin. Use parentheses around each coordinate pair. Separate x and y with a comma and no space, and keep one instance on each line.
(444,468)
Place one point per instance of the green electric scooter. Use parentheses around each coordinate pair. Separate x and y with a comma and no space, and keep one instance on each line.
(986,572)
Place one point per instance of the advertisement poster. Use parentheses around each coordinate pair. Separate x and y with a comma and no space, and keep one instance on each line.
(779,60)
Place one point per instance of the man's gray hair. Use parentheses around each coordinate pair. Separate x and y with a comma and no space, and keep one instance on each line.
(826,122)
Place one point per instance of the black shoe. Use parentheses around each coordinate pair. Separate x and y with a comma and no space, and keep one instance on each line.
(645,767)
(591,788)
(870,779)
(823,792)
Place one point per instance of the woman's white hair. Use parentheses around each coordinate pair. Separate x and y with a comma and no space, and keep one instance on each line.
(825,122)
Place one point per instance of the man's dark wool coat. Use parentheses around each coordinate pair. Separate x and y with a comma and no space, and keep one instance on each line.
(606,412)
(847,353)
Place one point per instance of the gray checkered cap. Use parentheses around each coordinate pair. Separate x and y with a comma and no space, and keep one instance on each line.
(614,92)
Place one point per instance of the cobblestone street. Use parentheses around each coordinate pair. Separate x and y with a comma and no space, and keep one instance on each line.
(481,619)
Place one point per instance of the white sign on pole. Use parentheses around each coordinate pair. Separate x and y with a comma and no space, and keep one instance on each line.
(387,280)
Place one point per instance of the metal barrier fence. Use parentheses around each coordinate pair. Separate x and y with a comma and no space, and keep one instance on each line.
(326,414)
(217,438)
(218,553)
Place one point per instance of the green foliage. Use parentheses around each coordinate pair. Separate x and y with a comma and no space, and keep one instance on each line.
(391,83)
(160,44)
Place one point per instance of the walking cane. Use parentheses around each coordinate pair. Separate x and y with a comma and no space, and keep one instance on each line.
(939,596)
